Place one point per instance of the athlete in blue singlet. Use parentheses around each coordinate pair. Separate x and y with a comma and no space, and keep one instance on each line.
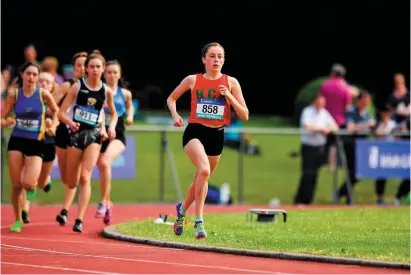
(46,81)
(25,148)
(110,150)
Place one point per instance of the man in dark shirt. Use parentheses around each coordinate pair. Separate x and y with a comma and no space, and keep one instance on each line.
(359,121)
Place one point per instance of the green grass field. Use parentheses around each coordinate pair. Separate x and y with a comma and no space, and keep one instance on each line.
(274,174)
(376,234)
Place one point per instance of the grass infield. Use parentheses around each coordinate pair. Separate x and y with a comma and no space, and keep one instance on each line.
(373,234)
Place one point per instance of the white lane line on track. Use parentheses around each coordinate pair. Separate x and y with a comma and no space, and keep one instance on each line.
(58,268)
(141,260)
(32,224)
(90,243)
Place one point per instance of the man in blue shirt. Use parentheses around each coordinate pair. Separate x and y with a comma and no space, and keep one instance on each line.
(359,123)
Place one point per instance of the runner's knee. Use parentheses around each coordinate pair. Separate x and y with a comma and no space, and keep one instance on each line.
(203,171)
(104,163)
(85,177)
(28,184)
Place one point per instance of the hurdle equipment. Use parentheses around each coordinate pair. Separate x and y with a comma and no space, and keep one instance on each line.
(265,215)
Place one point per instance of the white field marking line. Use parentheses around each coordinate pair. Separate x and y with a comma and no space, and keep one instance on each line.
(59,268)
(31,224)
(92,243)
(140,260)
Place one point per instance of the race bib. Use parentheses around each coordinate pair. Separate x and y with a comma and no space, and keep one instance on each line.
(30,125)
(210,108)
(86,115)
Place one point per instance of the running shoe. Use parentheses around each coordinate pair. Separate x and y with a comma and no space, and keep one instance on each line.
(16,227)
(108,215)
(101,210)
(199,228)
(62,217)
(78,226)
(179,223)
(25,216)
(31,194)
(48,187)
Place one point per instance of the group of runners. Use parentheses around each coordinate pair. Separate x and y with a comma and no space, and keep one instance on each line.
(84,121)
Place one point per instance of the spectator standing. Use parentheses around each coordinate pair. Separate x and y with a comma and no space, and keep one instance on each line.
(399,101)
(338,95)
(317,123)
(359,122)
(30,54)
(384,130)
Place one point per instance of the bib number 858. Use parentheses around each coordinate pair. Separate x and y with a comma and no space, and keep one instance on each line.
(210,109)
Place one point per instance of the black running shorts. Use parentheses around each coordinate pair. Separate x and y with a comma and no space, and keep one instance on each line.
(211,138)
(83,138)
(62,139)
(28,147)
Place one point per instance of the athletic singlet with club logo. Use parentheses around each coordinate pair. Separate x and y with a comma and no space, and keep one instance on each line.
(30,115)
(88,104)
(207,105)
(119,103)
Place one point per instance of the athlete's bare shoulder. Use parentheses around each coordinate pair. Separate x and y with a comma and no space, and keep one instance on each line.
(75,87)
(126,93)
(66,84)
(233,82)
(108,89)
(12,91)
(46,93)
(189,81)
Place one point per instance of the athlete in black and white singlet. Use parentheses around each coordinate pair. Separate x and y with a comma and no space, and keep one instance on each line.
(86,110)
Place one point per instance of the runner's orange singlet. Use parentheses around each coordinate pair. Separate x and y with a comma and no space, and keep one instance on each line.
(207,105)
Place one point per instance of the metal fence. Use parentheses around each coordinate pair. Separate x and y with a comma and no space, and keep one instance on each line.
(166,153)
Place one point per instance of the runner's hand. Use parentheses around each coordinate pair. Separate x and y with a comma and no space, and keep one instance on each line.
(104,135)
(74,126)
(7,122)
(111,133)
(129,121)
(223,90)
(51,131)
(48,122)
(178,121)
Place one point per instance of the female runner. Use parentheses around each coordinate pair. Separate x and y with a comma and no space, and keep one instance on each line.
(85,102)
(212,96)
(62,133)
(46,81)
(25,148)
(110,150)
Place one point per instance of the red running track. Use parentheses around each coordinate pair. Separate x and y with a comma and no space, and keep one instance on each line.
(44,247)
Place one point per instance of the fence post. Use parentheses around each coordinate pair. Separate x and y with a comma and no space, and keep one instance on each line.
(241,170)
(334,197)
(343,156)
(163,144)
